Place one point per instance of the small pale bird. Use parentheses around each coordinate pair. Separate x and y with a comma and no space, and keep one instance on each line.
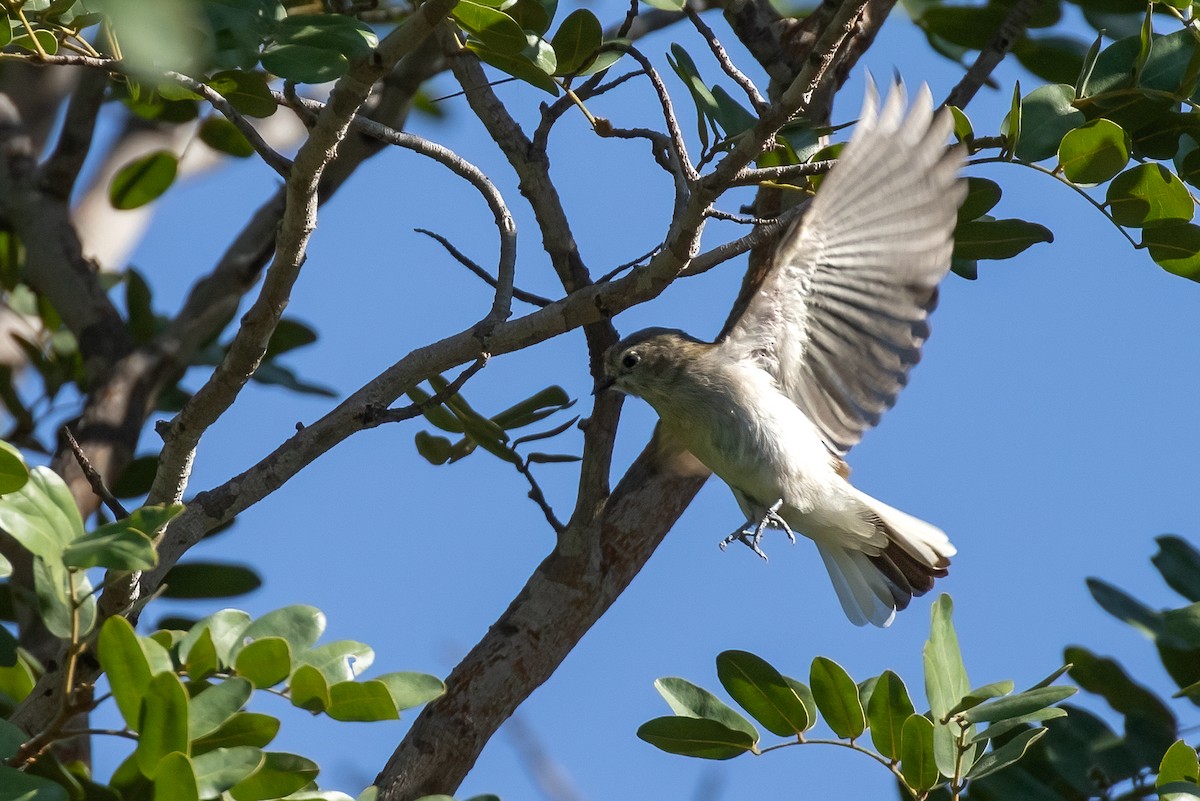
(820,351)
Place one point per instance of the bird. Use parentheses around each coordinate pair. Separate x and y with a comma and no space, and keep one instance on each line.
(820,350)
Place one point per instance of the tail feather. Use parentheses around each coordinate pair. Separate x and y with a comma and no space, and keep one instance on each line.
(872,587)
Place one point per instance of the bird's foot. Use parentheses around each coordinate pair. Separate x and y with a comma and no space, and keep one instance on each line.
(751,534)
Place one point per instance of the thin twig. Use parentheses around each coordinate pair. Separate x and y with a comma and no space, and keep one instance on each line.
(94,478)
(1009,32)
(758,175)
(678,146)
(484,275)
(762,233)
(506,267)
(629,264)
(537,496)
(372,417)
(740,219)
(740,78)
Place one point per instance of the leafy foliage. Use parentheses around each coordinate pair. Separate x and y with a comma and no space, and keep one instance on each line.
(942,748)
(1082,757)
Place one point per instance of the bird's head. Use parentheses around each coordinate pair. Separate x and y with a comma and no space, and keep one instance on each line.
(650,364)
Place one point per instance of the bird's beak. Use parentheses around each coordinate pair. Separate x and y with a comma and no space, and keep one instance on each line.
(604,384)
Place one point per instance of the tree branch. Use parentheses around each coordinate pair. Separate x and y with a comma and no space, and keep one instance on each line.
(1009,32)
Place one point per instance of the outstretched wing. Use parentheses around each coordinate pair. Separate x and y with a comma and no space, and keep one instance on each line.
(842,312)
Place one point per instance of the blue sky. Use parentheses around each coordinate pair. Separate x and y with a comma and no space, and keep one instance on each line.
(1048,430)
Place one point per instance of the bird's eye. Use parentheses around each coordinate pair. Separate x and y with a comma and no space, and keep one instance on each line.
(631,359)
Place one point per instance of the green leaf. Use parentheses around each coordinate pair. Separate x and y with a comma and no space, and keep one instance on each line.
(1018,704)
(434,449)
(280,775)
(1148,193)
(763,692)
(836,695)
(1007,725)
(125,663)
(143,180)
(1179,564)
(982,196)
(266,661)
(339,661)
(11,739)
(1095,152)
(888,708)
(532,15)
(198,579)
(973,27)
(334,32)
(1179,764)
(436,413)
(362,701)
(410,689)
(305,64)
(299,624)
(274,374)
(42,515)
(1125,607)
(805,695)
(246,91)
(997,239)
(518,66)
(688,700)
(54,601)
(224,137)
(498,32)
(963,129)
(1055,59)
(16,785)
(215,705)
(225,628)
(45,38)
(1010,128)
(13,472)
(174,780)
(945,679)
(1047,114)
(695,737)
(1155,723)
(244,728)
(163,722)
(1175,247)
(980,694)
(17,680)
(222,768)
(125,544)
(702,97)
(289,335)
(666,5)
(917,763)
(1006,755)
(576,41)
(202,657)
(308,689)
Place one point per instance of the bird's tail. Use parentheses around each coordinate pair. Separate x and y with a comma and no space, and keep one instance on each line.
(873,585)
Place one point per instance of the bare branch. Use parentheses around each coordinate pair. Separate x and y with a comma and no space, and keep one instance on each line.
(678,146)
(94,478)
(61,169)
(484,275)
(506,269)
(753,175)
(756,99)
(296,226)
(1009,32)
(376,417)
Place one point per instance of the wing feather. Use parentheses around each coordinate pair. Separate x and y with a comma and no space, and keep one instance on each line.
(843,311)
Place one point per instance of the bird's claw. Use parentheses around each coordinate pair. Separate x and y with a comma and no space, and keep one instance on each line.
(751,535)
